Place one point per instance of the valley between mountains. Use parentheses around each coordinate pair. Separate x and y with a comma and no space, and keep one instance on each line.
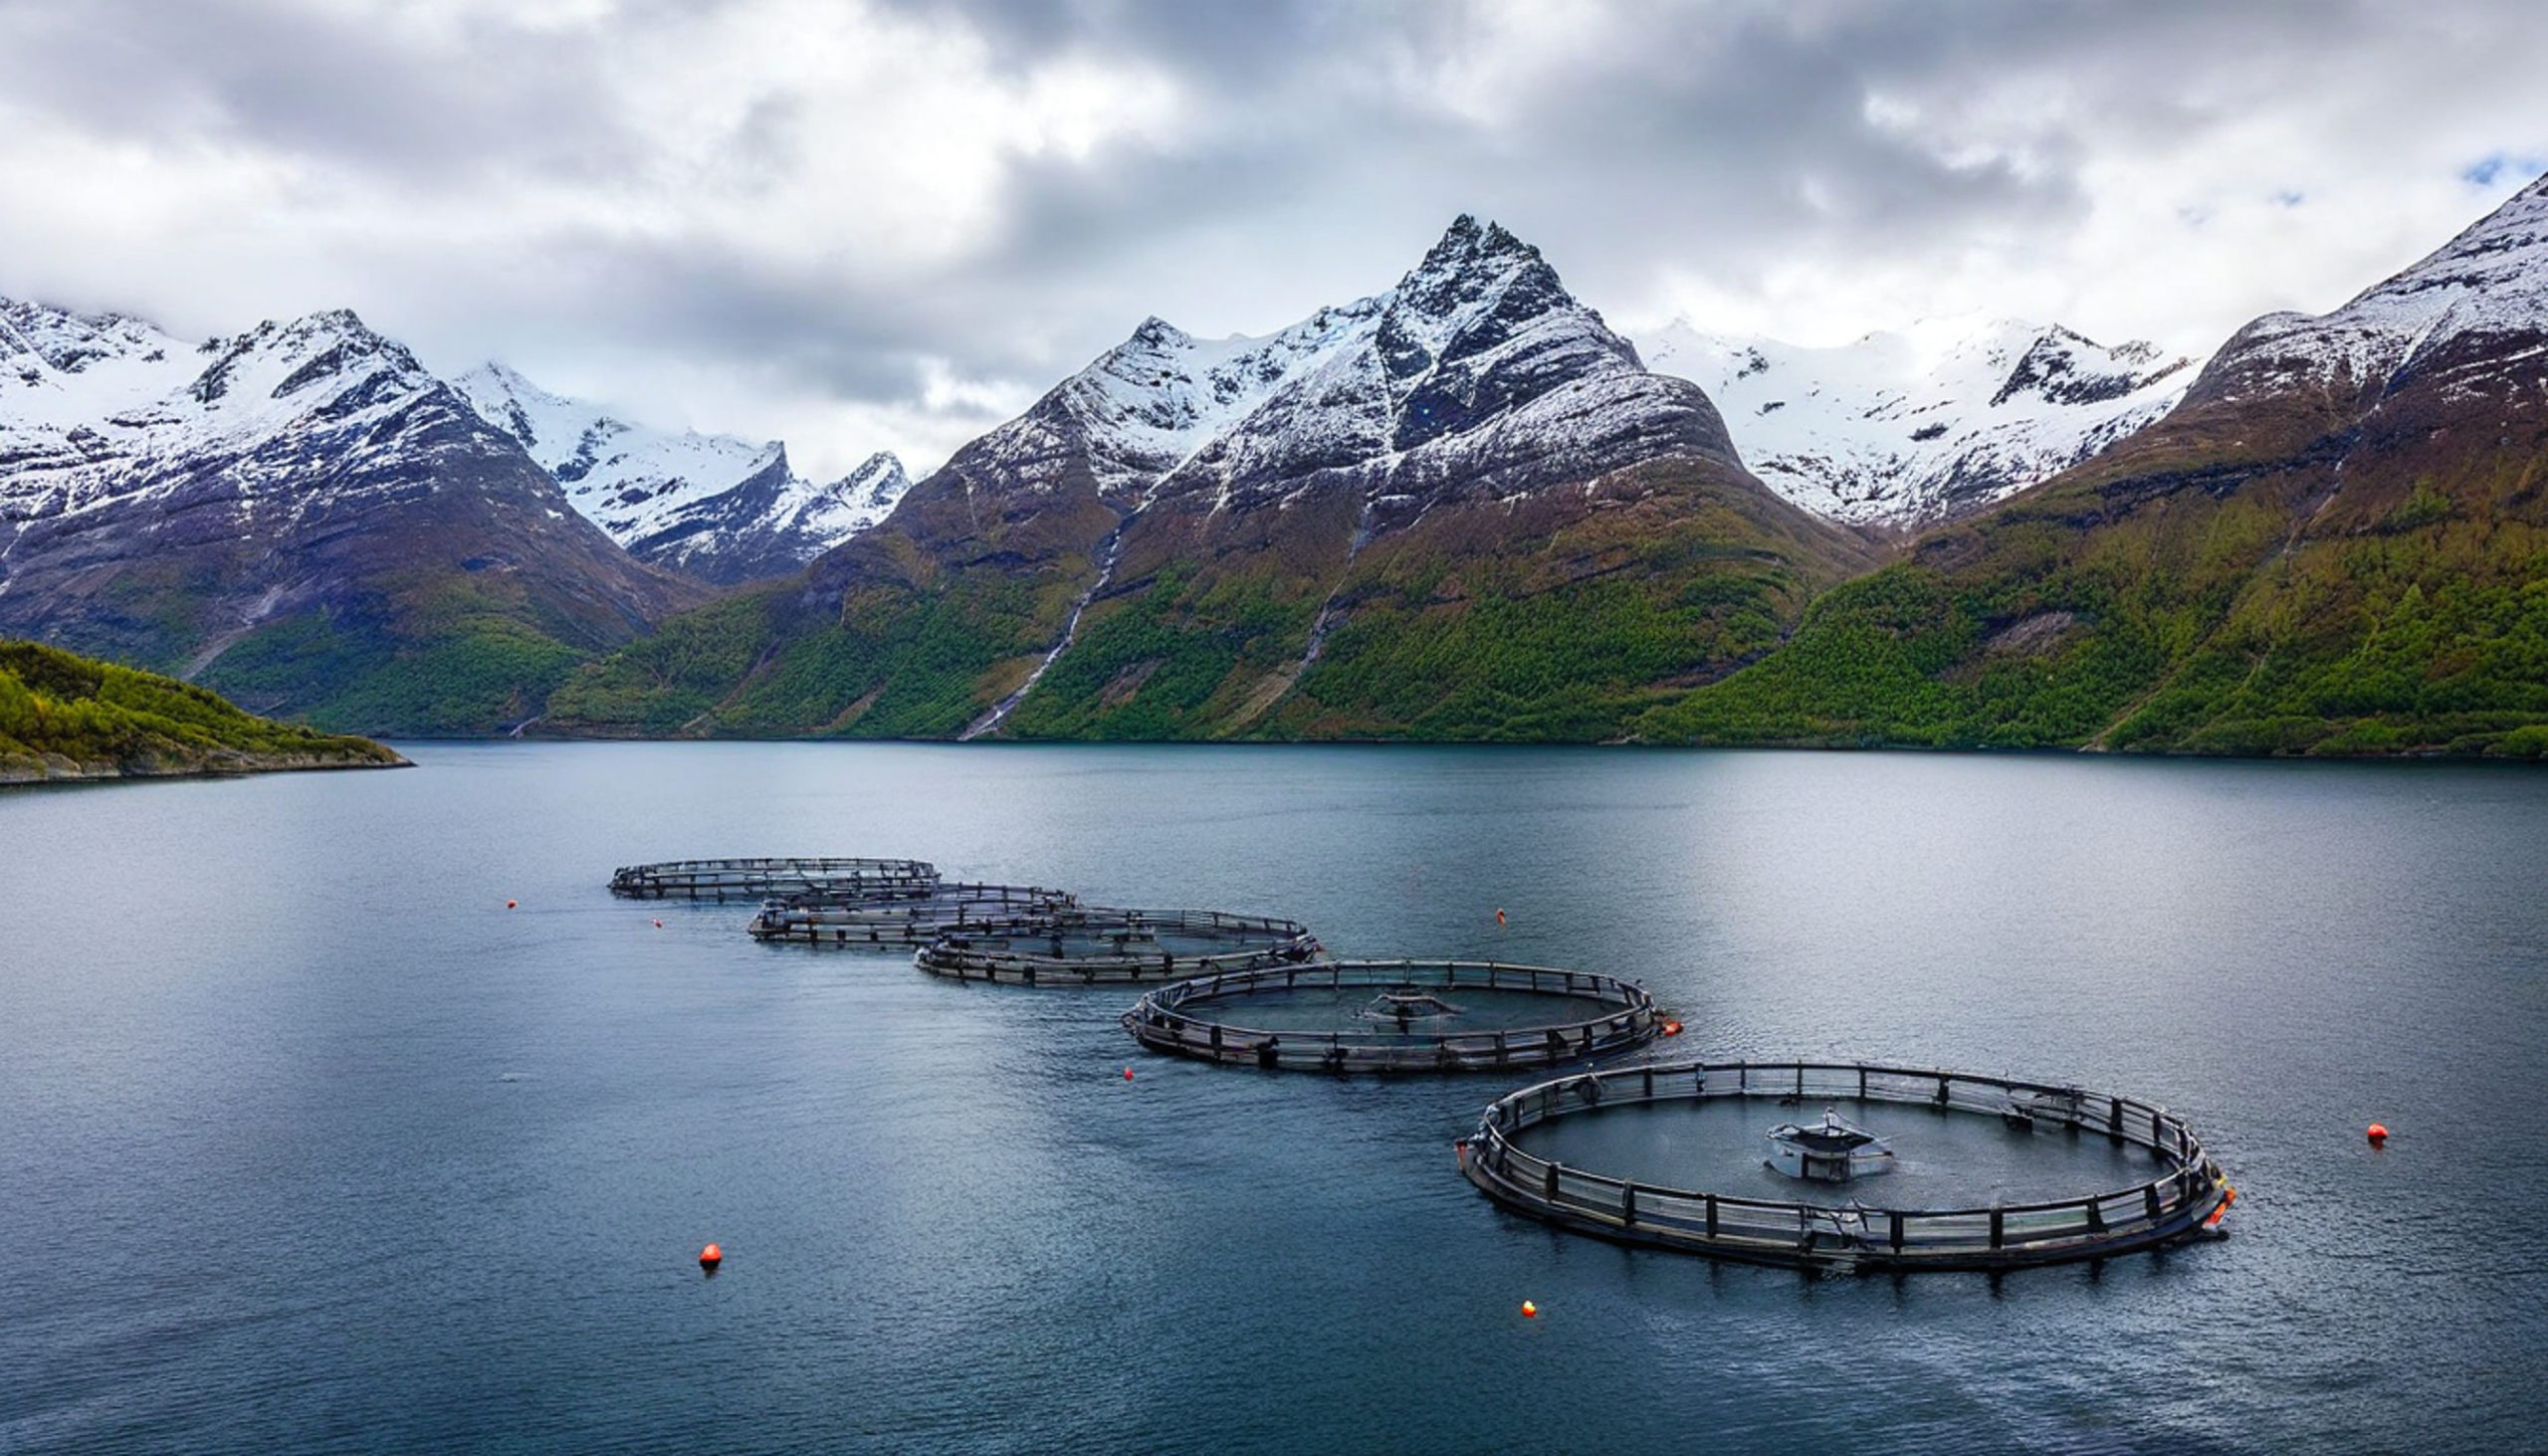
(1460,507)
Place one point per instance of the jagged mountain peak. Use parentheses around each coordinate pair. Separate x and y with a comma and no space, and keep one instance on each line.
(1480,330)
(36,335)
(1469,246)
(1943,417)
(719,506)
(881,472)
(2062,367)
(330,351)
(1475,276)
(1158,333)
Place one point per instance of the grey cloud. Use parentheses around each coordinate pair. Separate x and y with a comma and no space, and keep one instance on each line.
(310,83)
(1313,162)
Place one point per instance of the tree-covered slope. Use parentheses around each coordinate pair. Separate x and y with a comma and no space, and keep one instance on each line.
(62,716)
(2337,544)
(1556,618)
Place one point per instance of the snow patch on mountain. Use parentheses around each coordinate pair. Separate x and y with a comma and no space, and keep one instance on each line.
(715,506)
(1900,429)
(1476,376)
(2489,284)
(98,410)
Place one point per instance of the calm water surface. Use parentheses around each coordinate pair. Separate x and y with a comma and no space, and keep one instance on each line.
(309,1145)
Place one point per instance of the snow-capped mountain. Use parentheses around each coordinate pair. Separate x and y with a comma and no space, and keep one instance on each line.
(716,506)
(2331,546)
(1902,430)
(1283,507)
(166,502)
(2457,309)
(1478,378)
(1475,376)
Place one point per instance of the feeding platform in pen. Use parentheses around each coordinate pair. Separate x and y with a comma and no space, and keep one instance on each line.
(1094,945)
(895,917)
(759,878)
(1671,1156)
(1396,1016)
(1828,1151)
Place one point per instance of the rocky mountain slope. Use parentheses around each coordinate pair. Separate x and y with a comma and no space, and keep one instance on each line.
(2336,544)
(66,716)
(1893,431)
(714,506)
(1459,507)
(299,516)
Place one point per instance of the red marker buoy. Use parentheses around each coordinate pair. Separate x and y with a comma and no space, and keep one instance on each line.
(511,904)
(1499,916)
(659,925)
(1530,1310)
(2378,1134)
(1127,1074)
(711,1257)
(1671,1028)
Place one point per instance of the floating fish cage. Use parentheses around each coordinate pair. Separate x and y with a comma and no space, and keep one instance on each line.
(759,878)
(895,917)
(2186,1202)
(1091,946)
(1396,1016)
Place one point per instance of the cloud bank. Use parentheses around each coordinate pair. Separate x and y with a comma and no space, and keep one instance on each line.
(889,224)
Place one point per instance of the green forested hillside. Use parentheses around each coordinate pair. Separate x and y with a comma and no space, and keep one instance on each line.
(2242,579)
(62,716)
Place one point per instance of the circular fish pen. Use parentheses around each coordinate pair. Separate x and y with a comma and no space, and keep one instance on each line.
(758,879)
(898,918)
(1093,945)
(1396,1016)
(2185,1202)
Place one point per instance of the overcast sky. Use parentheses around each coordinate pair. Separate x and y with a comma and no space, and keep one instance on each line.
(892,224)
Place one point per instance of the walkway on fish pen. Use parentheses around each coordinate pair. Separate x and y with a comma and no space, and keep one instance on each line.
(898,919)
(758,879)
(1396,1016)
(2183,1203)
(1097,944)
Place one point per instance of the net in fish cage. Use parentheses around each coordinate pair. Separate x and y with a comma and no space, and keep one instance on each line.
(1095,944)
(895,917)
(757,879)
(1396,1015)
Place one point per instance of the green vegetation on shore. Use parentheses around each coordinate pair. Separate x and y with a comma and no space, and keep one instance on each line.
(62,716)
(2278,608)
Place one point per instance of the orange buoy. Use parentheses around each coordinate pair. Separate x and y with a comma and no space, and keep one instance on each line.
(2378,1134)
(511,904)
(1530,1310)
(1671,1028)
(1499,916)
(711,1257)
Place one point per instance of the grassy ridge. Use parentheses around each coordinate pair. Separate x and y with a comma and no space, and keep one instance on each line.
(62,716)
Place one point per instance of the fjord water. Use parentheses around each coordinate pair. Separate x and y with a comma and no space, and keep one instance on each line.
(310,1145)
